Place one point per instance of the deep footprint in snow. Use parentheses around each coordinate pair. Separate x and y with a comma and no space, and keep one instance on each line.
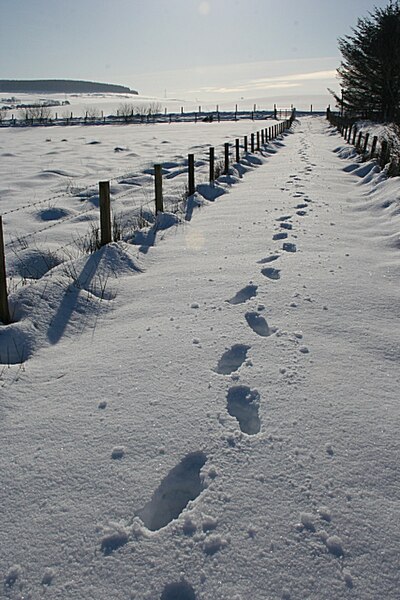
(178,591)
(182,484)
(271,273)
(243,404)
(232,359)
(280,236)
(268,259)
(244,294)
(284,218)
(258,324)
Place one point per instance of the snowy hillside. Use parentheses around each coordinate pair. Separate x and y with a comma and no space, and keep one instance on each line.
(209,410)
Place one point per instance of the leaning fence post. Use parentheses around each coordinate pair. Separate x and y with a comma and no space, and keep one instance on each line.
(212,163)
(105,212)
(158,188)
(191,186)
(226,166)
(4,310)
(237,150)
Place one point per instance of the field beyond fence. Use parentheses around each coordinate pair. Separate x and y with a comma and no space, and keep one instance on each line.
(220,163)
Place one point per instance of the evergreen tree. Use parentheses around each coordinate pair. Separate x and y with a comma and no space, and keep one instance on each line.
(370,68)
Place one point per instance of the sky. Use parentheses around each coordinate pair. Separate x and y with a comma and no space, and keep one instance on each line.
(222,50)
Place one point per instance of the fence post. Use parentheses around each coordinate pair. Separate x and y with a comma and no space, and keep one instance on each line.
(4,310)
(366,143)
(266,134)
(237,150)
(252,142)
(354,135)
(262,137)
(212,161)
(359,140)
(373,148)
(384,153)
(158,188)
(245,144)
(226,166)
(191,185)
(349,133)
(258,141)
(105,213)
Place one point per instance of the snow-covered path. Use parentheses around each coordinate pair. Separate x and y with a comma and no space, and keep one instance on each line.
(251,362)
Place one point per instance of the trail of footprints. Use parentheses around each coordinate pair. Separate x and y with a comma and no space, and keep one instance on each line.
(185,482)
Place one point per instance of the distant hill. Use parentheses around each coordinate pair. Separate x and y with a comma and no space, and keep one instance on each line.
(61,86)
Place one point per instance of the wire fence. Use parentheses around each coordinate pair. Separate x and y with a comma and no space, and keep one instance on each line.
(132,201)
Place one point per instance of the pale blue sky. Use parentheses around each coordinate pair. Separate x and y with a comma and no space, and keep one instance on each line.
(219,49)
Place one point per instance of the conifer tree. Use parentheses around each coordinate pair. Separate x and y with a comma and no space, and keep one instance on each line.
(370,67)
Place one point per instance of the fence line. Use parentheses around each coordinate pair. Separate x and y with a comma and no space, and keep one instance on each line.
(382,151)
(106,224)
(137,118)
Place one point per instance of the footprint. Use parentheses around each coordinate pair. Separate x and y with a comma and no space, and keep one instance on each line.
(243,404)
(232,359)
(288,247)
(284,218)
(182,484)
(258,324)
(244,294)
(302,205)
(271,273)
(280,236)
(301,213)
(286,225)
(268,259)
(178,591)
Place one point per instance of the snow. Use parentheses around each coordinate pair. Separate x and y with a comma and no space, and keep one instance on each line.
(179,419)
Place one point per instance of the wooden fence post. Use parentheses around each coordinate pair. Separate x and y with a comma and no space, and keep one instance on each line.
(252,142)
(4,310)
(373,147)
(158,188)
(262,137)
(245,144)
(191,185)
(212,164)
(385,150)
(237,150)
(349,133)
(258,141)
(359,140)
(105,213)
(366,143)
(226,166)
(266,134)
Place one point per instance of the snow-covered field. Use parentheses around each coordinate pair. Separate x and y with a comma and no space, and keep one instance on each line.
(109,104)
(209,410)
